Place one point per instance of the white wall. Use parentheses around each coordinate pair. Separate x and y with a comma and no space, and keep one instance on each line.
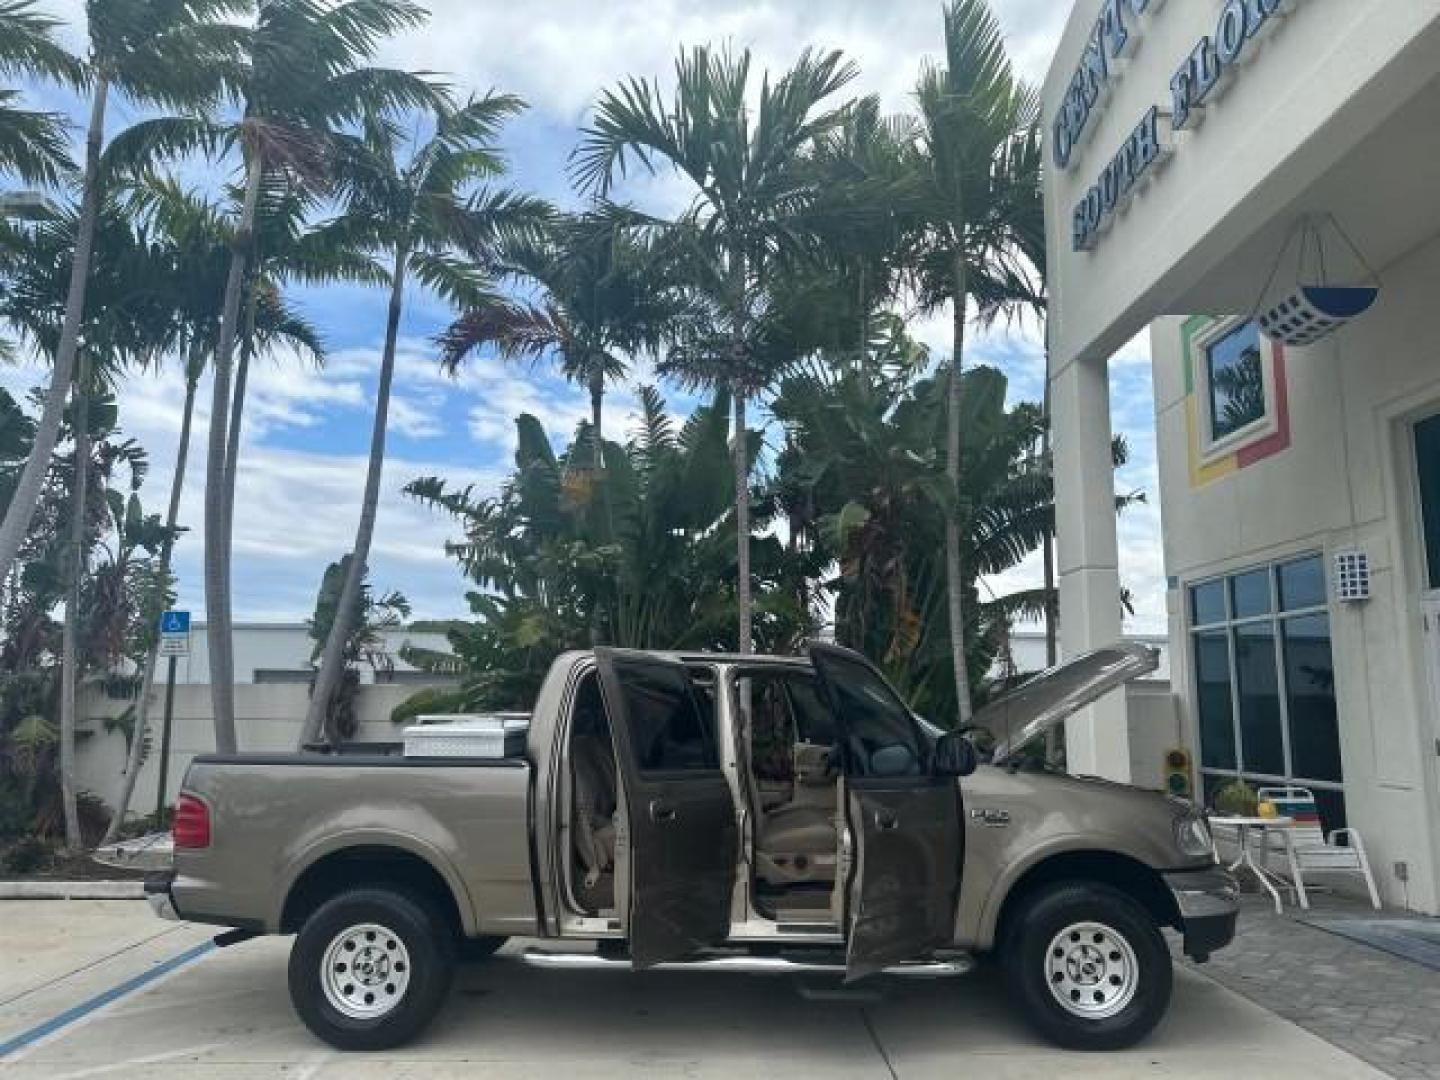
(1344,482)
(267,717)
(286,647)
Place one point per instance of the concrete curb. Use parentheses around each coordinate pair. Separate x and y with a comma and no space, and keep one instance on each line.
(72,890)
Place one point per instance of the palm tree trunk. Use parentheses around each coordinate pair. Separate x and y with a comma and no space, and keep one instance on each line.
(332,661)
(954,568)
(70,634)
(740,453)
(597,399)
(152,658)
(232,435)
(217,575)
(26,495)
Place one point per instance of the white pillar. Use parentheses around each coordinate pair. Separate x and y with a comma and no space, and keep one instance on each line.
(1097,740)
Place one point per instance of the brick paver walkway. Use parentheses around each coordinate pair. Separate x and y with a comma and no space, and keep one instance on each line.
(1379,1007)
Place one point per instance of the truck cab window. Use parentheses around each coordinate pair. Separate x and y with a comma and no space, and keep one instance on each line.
(882,737)
(667,721)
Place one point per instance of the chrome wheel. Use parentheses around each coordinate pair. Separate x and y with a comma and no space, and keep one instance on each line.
(1091,970)
(365,971)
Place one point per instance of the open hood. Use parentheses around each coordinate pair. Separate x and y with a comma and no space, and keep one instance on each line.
(1025,714)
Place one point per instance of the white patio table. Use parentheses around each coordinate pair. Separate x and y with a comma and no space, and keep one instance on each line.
(1269,880)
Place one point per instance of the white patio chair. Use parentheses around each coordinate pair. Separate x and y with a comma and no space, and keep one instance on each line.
(1311,850)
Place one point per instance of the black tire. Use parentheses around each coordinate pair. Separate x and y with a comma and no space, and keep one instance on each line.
(1031,966)
(407,924)
(474,950)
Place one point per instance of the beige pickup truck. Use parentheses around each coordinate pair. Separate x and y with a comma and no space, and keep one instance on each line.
(731,812)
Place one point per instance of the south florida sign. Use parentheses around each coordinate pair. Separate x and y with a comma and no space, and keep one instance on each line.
(1198,80)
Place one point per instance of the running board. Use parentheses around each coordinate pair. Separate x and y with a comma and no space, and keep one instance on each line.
(750,965)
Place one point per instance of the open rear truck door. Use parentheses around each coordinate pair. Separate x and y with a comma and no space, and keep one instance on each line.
(681,818)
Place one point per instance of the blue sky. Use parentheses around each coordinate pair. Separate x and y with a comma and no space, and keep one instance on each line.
(307,430)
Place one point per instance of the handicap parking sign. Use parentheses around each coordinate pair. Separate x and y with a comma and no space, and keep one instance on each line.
(175,633)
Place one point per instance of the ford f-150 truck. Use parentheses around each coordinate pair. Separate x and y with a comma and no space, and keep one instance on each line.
(727,811)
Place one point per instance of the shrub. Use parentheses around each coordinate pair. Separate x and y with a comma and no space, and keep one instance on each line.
(1237,798)
(27,855)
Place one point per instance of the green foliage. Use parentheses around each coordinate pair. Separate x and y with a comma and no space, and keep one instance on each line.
(862,476)
(371,617)
(640,555)
(121,595)
(1237,798)
(27,855)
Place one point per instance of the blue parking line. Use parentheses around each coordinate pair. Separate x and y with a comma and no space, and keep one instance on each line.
(99,1001)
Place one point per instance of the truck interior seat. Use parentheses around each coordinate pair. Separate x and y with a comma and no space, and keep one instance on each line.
(592,764)
(795,836)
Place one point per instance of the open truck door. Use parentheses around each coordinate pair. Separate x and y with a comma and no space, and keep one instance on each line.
(681,818)
(903,818)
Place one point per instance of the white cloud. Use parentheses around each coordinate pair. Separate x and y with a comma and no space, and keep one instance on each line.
(415,417)
(558,54)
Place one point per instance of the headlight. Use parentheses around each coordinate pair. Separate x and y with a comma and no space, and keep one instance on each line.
(1192,835)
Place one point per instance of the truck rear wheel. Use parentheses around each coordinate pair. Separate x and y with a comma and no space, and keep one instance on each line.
(1088,966)
(370,968)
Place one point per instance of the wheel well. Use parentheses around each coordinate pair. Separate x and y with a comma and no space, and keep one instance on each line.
(368,867)
(1121,872)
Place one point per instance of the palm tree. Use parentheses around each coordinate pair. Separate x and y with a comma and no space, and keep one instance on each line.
(165,53)
(599,302)
(978,146)
(750,194)
(123,539)
(301,73)
(191,239)
(33,145)
(866,226)
(372,616)
(409,204)
(121,328)
(865,458)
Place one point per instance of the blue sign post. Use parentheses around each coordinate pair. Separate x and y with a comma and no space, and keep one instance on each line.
(174,642)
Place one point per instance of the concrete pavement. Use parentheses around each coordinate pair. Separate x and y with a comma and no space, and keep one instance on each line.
(227,1014)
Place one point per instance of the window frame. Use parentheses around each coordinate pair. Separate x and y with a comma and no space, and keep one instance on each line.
(1213,449)
(1276,618)
(1428,573)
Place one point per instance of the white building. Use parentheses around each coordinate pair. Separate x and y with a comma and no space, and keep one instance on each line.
(279,652)
(1188,143)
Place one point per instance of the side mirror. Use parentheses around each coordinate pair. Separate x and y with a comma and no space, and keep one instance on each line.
(955,755)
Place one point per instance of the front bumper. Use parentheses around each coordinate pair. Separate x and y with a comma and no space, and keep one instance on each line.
(1209,904)
(158,895)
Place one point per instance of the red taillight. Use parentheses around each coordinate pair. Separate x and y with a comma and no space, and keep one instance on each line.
(191,824)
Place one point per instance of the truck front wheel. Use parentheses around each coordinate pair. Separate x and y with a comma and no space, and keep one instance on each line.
(370,968)
(1088,966)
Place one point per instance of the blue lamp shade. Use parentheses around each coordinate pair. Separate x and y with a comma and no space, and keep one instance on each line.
(1313,312)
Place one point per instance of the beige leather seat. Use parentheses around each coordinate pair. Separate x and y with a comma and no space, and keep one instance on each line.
(593,760)
(803,834)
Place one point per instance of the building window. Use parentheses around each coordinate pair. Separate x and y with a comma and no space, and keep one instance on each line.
(1427,461)
(1265,682)
(1235,377)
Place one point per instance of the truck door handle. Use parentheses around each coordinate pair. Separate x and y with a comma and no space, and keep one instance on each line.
(661,812)
(885,821)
